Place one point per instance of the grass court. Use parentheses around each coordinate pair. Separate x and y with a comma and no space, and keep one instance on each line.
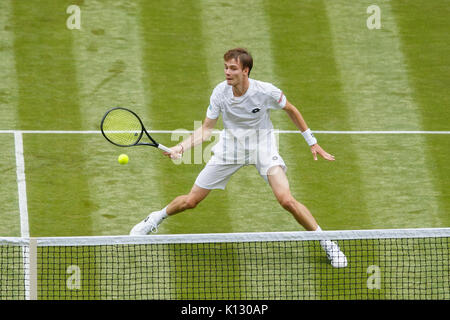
(377,98)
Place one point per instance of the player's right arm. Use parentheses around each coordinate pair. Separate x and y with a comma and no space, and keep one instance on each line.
(197,137)
(205,131)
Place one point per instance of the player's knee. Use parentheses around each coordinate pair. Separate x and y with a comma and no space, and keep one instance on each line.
(287,202)
(190,203)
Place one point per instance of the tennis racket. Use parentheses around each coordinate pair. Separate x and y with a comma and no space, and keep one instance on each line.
(123,128)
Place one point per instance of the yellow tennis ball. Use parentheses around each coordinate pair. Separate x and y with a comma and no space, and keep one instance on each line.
(123,159)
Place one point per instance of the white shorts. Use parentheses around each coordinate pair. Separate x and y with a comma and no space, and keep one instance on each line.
(216,175)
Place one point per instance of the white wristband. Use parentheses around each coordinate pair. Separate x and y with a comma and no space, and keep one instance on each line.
(309,137)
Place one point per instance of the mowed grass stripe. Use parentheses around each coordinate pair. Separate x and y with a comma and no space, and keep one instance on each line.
(397,190)
(176,77)
(397,178)
(8,83)
(174,66)
(108,56)
(425,44)
(374,80)
(252,206)
(223,29)
(9,207)
(228,25)
(223,25)
(311,81)
(48,94)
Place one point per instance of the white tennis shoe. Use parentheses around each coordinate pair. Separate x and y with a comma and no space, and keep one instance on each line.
(149,224)
(335,255)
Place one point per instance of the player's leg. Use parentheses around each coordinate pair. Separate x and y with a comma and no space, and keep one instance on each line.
(280,187)
(213,176)
(187,201)
(179,204)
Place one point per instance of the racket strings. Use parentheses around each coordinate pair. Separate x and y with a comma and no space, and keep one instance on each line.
(122,127)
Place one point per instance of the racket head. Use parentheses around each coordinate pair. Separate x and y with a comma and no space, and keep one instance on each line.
(122,127)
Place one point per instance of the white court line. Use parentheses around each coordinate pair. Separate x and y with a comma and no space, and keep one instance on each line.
(217,131)
(21,184)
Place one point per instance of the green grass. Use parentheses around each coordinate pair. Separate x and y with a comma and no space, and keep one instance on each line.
(162,59)
(9,205)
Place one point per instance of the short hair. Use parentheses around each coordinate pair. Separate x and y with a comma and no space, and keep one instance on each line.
(242,56)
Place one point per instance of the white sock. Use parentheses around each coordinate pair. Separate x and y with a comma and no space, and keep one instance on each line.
(161,215)
(164,213)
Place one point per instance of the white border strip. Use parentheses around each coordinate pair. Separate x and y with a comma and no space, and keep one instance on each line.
(31,275)
(14,241)
(218,131)
(245,237)
(21,185)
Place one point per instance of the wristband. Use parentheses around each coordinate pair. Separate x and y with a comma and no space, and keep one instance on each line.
(309,137)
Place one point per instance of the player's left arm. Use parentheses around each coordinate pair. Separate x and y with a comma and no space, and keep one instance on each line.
(300,123)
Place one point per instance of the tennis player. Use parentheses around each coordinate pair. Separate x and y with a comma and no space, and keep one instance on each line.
(247,139)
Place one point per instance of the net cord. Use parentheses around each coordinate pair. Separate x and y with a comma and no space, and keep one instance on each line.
(233,237)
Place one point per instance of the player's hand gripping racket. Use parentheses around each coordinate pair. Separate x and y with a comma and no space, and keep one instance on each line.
(123,128)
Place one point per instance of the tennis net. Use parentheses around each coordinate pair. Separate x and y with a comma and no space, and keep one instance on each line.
(382,264)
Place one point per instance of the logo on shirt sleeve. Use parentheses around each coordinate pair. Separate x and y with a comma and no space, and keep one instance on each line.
(281,98)
(256,110)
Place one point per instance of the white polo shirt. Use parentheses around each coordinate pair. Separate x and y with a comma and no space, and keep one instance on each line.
(248,130)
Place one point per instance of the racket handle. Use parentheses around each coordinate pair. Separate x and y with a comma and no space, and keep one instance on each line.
(164,148)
